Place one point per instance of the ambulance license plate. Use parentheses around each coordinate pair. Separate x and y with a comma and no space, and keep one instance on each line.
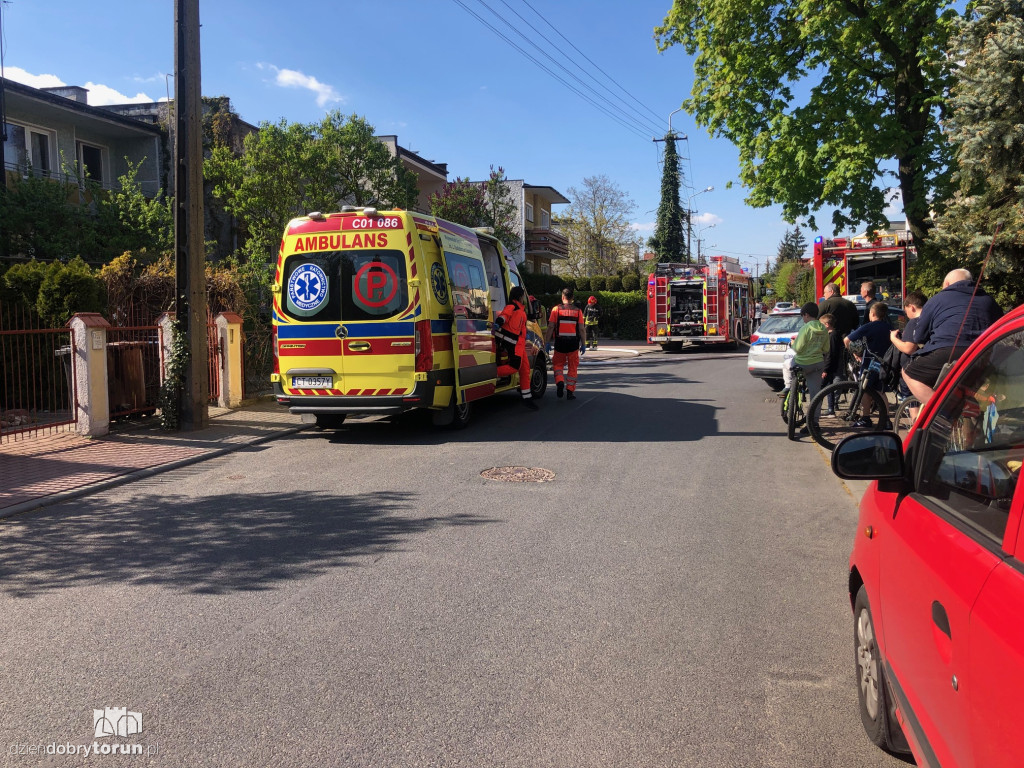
(776,347)
(312,382)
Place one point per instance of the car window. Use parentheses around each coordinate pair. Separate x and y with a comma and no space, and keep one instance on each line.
(329,286)
(780,324)
(974,445)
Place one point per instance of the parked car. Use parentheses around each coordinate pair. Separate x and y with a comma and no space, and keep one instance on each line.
(936,576)
(781,306)
(770,342)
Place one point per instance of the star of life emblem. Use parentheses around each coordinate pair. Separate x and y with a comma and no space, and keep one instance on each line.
(307,288)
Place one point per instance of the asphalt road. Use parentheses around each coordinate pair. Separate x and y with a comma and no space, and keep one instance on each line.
(675,596)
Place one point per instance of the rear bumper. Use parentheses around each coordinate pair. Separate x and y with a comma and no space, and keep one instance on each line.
(759,372)
(421,397)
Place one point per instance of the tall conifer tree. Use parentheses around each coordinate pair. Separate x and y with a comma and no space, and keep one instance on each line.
(668,240)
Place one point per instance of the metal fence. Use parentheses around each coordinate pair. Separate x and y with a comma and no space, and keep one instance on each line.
(37,376)
(134,362)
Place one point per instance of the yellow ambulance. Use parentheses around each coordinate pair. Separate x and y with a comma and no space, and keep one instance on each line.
(384,312)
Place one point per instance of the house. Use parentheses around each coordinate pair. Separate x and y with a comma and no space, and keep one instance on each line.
(54,132)
(541,243)
(430,176)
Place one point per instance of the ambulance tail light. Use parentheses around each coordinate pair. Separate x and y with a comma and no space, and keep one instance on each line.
(423,345)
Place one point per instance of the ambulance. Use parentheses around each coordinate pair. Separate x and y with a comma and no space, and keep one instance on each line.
(385,312)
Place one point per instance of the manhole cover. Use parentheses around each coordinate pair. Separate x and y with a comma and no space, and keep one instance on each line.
(519,474)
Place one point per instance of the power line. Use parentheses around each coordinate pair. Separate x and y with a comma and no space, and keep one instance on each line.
(541,65)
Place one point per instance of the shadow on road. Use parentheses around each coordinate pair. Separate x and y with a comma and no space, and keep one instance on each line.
(222,543)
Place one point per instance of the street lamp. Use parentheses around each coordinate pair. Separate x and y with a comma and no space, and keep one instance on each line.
(701,239)
(689,221)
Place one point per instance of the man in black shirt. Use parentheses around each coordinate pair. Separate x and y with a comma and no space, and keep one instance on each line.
(843,311)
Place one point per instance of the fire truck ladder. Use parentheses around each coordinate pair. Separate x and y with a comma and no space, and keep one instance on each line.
(711,303)
(661,311)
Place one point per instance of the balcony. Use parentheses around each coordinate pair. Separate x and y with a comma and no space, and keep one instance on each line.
(546,243)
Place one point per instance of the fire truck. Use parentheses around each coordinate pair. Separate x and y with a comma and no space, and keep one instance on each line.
(881,256)
(710,303)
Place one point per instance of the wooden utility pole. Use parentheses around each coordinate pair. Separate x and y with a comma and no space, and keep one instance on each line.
(189,255)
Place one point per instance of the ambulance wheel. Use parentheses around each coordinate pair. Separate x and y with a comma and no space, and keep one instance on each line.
(462,413)
(539,378)
(330,420)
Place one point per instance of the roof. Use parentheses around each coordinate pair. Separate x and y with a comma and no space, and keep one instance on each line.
(550,193)
(54,104)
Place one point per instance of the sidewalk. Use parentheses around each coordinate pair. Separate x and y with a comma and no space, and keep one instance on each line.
(48,469)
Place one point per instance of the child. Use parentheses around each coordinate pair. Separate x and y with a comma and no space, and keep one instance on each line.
(833,361)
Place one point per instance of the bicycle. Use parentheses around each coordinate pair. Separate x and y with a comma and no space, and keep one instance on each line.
(793,410)
(851,406)
(902,421)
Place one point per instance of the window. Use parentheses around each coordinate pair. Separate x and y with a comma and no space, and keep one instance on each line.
(28,148)
(974,445)
(469,286)
(334,286)
(15,149)
(529,213)
(40,148)
(90,160)
(545,219)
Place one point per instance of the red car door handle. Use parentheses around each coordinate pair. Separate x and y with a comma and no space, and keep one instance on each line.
(941,619)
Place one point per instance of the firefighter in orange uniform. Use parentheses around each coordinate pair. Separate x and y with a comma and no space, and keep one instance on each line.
(565,327)
(510,339)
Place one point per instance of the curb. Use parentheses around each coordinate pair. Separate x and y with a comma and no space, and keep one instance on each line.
(139,474)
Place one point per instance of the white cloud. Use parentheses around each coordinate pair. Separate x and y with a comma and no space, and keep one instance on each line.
(292,78)
(643,226)
(19,75)
(707,220)
(99,95)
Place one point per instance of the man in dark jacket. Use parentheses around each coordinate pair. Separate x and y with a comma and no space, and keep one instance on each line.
(843,311)
(869,293)
(949,322)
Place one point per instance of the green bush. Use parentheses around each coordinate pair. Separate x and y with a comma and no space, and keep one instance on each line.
(582,284)
(623,314)
(67,289)
(614,283)
(597,282)
(630,282)
(538,283)
(570,282)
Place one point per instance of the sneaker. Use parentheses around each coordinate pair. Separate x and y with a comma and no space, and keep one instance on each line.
(829,412)
(560,388)
(571,395)
(783,392)
(528,402)
(862,422)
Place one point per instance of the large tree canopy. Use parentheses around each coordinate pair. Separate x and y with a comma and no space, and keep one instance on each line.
(827,100)
(601,238)
(986,128)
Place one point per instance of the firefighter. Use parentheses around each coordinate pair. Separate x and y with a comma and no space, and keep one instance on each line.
(565,327)
(591,314)
(510,338)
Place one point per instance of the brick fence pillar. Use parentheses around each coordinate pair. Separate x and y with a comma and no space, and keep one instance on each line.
(93,406)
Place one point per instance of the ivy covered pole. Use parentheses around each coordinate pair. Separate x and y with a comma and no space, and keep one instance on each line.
(189,256)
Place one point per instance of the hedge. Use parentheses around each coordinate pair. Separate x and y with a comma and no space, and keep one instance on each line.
(623,313)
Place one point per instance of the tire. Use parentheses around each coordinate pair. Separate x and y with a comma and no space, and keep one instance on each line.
(850,404)
(795,411)
(800,410)
(330,420)
(463,412)
(877,714)
(672,346)
(454,416)
(902,421)
(539,377)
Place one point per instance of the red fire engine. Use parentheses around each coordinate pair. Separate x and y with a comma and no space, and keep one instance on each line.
(699,303)
(882,257)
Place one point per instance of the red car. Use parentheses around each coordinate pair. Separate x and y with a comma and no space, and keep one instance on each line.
(937,568)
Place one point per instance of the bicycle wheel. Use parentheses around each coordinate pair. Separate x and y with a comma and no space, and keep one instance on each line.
(796,416)
(854,410)
(903,421)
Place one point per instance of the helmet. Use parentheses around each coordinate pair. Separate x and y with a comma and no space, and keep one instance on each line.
(592,300)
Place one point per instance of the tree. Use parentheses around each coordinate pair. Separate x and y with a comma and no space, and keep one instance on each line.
(130,221)
(598,228)
(289,169)
(502,211)
(986,128)
(668,240)
(461,201)
(793,246)
(874,75)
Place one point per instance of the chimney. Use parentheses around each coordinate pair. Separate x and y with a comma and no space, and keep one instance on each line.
(73,92)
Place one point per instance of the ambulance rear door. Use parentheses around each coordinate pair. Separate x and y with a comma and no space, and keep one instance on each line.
(473,347)
(351,311)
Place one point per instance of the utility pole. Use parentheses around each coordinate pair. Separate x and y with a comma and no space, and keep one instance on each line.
(189,256)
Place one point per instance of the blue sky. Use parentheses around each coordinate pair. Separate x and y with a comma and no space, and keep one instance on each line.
(432,73)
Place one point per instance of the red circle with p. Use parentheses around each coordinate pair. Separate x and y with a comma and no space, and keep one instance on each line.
(376,284)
